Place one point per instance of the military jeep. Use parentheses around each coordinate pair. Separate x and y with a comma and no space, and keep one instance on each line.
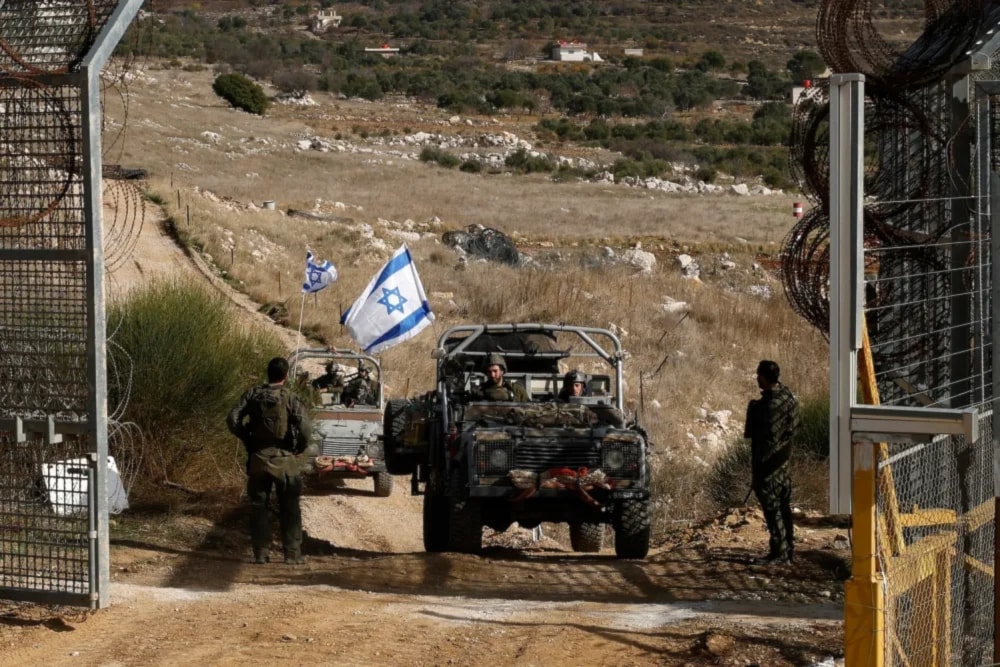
(578,460)
(347,434)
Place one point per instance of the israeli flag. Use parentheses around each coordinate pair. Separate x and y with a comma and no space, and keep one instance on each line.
(392,309)
(318,274)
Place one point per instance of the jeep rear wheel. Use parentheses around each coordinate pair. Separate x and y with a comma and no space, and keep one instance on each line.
(631,522)
(393,429)
(435,523)
(383,484)
(586,537)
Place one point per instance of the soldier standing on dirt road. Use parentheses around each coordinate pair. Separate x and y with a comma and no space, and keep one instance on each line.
(771,423)
(277,428)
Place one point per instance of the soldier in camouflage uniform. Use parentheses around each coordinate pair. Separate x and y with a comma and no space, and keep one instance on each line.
(771,423)
(274,427)
(495,388)
(361,389)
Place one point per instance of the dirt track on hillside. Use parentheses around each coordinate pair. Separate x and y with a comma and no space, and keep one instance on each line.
(370,595)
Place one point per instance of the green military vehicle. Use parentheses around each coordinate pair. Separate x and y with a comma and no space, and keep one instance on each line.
(347,422)
(573,459)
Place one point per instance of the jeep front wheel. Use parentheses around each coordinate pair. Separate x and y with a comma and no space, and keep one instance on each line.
(586,537)
(631,522)
(383,484)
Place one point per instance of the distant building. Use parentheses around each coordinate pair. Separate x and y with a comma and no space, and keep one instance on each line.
(634,52)
(324,20)
(385,50)
(574,52)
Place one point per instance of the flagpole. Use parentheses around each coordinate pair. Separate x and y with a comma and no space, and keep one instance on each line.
(298,334)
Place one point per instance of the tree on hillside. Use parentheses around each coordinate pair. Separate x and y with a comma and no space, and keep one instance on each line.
(805,65)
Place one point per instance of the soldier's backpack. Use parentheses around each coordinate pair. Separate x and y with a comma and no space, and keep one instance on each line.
(269,422)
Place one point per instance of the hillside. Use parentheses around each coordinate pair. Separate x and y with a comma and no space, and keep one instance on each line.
(766,30)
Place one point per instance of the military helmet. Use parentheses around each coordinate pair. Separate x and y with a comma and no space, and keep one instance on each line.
(574,376)
(495,360)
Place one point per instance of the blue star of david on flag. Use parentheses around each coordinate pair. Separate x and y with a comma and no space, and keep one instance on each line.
(392,309)
(319,275)
(387,300)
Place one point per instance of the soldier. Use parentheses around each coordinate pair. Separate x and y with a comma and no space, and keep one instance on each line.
(574,384)
(329,379)
(361,389)
(771,423)
(495,388)
(274,427)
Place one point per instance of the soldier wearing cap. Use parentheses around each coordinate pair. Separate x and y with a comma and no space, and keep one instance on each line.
(495,388)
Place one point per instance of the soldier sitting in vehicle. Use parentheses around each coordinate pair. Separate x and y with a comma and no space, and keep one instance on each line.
(330,379)
(574,384)
(361,390)
(495,388)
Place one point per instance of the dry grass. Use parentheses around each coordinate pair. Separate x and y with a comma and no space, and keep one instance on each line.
(705,358)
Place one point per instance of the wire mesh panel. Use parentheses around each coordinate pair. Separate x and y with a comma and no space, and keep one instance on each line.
(935,547)
(54,469)
(45,298)
(49,36)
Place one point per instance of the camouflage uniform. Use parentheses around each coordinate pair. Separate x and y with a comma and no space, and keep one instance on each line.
(273,464)
(771,423)
(505,391)
(360,390)
(498,389)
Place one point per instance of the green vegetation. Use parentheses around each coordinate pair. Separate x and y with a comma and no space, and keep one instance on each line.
(195,359)
(241,92)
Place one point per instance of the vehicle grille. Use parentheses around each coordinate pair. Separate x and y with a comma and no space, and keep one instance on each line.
(340,446)
(536,455)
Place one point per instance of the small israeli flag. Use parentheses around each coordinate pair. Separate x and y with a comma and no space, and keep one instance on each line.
(392,309)
(318,274)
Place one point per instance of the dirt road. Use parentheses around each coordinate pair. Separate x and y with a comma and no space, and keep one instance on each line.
(369,595)
(198,601)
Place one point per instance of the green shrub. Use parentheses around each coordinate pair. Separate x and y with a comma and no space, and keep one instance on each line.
(179,359)
(524,162)
(706,174)
(440,156)
(471,166)
(241,92)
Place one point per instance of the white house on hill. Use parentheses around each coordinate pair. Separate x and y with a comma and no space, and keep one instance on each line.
(324,20)
(574,52)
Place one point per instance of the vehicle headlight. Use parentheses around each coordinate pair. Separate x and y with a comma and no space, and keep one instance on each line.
(614,459)
(620,455)
(498,459)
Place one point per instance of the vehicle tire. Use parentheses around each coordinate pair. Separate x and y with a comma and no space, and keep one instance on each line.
(465,526)
(435,523)
(393,428)
(631,522)
(383,484)
(586,538)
